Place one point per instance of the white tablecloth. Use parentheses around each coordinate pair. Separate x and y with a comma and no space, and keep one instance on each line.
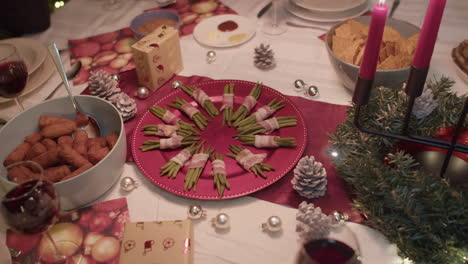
(300,55)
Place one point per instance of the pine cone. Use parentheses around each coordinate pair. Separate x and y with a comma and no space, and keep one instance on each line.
(102,84)
(126,106)
(424,104)
(264,57)
(310,178)
(312,224)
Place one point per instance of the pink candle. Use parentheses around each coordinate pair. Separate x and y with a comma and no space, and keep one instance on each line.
(374,39)
(428,36)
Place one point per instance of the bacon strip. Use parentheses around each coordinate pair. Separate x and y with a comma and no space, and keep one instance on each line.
(262,141)
(170,118)
(200,96)
(170,143)
(166,130)
(199,160)
(189,109)
(182,157)
(219,167)
(247,159)
(228,101)
(264,112)
(270,125)
(249,102)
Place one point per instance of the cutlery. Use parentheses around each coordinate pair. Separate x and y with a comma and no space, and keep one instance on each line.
(75,68)
(94,125)
(289,23)
(264,9)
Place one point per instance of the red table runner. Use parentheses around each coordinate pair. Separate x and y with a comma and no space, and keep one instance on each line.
(321,119)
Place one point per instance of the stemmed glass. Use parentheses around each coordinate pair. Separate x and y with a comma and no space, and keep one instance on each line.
(13,73)
(274,26)
(31,207)
(339,247)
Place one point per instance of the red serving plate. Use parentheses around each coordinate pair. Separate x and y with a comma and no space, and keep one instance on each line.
(219,137)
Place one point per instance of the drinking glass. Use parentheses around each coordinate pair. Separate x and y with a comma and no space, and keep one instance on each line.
(274,25)
(31,207)
(339,247)
(13,73)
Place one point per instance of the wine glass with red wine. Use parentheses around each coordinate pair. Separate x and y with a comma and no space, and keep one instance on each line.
(13,73)
(31,207)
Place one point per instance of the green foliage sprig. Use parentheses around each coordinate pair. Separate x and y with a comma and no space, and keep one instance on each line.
(423,215)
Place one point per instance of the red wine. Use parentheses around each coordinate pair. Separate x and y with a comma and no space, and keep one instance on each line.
(31,207)
(13,77)
(329,251)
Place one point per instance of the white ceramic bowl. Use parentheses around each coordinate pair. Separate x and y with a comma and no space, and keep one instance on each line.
(348,72)
(91,184)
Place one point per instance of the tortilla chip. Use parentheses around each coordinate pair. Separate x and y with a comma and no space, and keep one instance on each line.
(390,63)
(391,34)
(339,44)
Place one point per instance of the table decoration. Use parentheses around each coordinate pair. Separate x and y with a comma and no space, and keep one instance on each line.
(128,184)
(101,84)
(390,178)
(460,59)
(221,221)
(158,242)
(109,52)
(96,230)
(264,57)
(311,224)
(310,178)
(210,56)
(126,106)
(273,224)
(157,57)
(142,92)
(196,211)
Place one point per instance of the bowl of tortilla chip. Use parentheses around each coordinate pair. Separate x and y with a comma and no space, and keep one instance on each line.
(345,43)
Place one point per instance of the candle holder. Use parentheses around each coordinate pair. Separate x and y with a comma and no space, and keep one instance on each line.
(414,88)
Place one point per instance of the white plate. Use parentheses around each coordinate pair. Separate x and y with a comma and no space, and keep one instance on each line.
(319,16)
(38,78)
(329,5)
(32,52)
(207,32)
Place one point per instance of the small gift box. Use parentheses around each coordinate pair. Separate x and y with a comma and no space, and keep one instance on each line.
(157,57)
(157,242)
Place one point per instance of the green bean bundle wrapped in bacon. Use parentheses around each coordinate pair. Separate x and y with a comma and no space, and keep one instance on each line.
(267,126)
(163,130)
(262,113)
(168,143)
(197,164)
(219,173)
(170,118)
(173,166)
(249,103)
(250,161)
(263,141)
(228,103)
(202,99)
(193,113)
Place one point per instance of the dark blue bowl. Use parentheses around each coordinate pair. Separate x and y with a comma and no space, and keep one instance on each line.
(144,17)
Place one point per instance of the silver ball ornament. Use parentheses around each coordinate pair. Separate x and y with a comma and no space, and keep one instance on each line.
(176,84)
(298,84)
(338,218)
(312,91)
(196,211)
(115,76)
(142,92)
(210,56)
(128,184)
(221,221)
(273,224)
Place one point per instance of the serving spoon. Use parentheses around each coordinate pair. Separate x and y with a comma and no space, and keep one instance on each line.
(93,124)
